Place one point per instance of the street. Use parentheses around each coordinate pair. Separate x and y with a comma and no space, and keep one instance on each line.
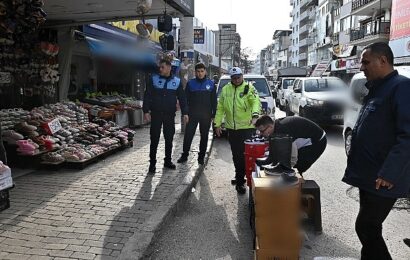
(215,222)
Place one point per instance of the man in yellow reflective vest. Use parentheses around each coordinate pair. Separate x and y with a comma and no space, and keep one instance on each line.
(240,106)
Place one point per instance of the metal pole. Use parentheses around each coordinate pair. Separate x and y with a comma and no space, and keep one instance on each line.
(220,53)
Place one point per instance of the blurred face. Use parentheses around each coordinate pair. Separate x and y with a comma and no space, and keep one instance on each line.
(200,73)
(265,130)
(373,66)
(164,70)
(237,79)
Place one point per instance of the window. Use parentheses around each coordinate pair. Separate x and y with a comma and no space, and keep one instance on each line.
(297,27)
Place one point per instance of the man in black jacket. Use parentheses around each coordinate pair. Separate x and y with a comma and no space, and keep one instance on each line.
(378,162)
(201,98)
(308,140)
(160,102)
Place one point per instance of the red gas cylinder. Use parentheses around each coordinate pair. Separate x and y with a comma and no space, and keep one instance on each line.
(253,150)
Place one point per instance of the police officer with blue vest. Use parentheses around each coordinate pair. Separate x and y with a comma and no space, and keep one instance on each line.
(160,102)
(201,98)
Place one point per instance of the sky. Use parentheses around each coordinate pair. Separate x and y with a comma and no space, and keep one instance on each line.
(256,20)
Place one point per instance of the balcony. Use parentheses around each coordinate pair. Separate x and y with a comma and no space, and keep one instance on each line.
(291,2)
(290,14)
(303,56)
(305,3)
(368,7)
(305,42)
(369,33)
(303,16)
(304,29)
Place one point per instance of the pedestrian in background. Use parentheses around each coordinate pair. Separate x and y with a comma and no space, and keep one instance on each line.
(378,162)
(201,99)
(160,102)
(240,106)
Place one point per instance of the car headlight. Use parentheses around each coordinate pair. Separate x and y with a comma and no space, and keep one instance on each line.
(314,102)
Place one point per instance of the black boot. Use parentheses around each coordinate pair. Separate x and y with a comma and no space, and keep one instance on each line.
(271,159)
(152,168)
(169,165)
(183,158)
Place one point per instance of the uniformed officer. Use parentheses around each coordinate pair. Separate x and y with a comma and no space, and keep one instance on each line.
(160,103)
(201,98)
(240,106)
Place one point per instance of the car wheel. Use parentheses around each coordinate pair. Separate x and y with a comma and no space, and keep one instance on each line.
(348,141)
(287,110)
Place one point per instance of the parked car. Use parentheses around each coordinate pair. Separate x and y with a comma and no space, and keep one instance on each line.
(357,91)
(262,87)
(318,99)
(284,88)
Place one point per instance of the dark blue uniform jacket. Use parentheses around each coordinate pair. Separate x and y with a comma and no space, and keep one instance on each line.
(381,138)
(162,93)
(201,97)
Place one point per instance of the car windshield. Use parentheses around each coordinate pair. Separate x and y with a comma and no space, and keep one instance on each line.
(319,85)
(287,82)
(259,83)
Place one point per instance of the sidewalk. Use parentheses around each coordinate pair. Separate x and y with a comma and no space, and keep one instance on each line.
(110,210)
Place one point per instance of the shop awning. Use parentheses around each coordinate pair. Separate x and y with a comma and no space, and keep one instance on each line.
(120,52)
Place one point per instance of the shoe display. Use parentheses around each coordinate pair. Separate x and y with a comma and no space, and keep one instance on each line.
(182,159)
(241,189)
(170,165)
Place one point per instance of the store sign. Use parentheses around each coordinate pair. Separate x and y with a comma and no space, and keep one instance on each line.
(199,36)
(342,50)
(5,77)
(400,19)
(186,7)
(400,47)
(353,65)
(339,64)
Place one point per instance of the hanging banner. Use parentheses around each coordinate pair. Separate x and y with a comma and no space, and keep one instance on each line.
(199,36)
(400,19)
(342,50)
(339,64)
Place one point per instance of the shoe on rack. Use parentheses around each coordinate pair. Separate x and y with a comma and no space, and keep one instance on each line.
(201,160)
(152,169)
(170,165)
(182,159)
(240,188)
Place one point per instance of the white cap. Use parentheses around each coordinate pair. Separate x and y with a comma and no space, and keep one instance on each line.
(235,71)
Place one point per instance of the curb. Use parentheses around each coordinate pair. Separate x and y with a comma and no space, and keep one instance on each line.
(138,245)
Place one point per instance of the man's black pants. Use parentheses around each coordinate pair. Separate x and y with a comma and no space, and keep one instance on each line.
(236,140)
(373,211)
(309,154)
(167,121)
(204,122)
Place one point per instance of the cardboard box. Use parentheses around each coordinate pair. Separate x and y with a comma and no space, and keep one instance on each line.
(278,234)
(275,253)
(271,200)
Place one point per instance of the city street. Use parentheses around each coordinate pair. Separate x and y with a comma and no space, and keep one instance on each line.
(215,222)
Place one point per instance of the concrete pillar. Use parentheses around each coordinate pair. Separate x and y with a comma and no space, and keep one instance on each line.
(66,43)
(187,52)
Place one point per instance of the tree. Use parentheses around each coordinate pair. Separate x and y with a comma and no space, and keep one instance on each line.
(246,59)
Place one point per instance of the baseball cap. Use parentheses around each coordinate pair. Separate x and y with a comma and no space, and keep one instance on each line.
(235,71)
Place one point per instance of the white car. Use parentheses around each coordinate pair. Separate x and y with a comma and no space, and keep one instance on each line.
(357,91)
(318,99)
(284,89)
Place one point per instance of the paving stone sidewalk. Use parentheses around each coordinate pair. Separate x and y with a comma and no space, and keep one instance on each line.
(110,210)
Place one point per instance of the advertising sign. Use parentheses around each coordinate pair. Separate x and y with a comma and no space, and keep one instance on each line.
(400,19)
(353,65)
(339,64)
(199,36)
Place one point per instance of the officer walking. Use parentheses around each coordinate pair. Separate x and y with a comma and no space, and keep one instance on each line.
(239,104)
(201,99)
(160,102)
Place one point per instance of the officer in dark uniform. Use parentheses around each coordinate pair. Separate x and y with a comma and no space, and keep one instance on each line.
(201,98)
(160,102)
